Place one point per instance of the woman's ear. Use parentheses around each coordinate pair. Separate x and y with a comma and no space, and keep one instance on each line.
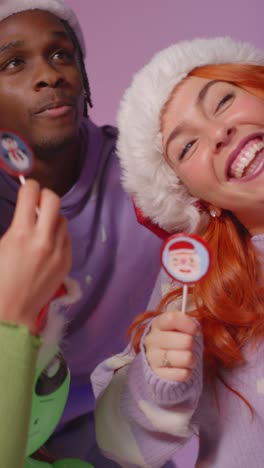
(214,211)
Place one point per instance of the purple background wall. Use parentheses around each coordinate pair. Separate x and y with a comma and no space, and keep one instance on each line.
(121,35)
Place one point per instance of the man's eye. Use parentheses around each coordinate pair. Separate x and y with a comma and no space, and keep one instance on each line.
(223,101)
(186,149)
(13,63)
(63,54)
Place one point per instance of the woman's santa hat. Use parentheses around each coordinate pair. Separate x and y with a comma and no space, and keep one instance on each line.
(147,176)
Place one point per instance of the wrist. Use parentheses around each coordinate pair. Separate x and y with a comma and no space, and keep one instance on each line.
(30,325)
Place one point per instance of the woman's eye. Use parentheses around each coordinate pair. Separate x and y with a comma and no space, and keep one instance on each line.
(223,101)
(186,149)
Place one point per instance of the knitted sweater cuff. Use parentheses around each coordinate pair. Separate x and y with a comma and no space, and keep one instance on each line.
(165,392)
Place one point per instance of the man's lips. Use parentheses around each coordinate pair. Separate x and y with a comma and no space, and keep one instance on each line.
(56,111)
(55,107)
(238,151)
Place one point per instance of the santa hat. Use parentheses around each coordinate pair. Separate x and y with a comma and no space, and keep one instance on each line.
(147,176)
(57,7)
(182,246)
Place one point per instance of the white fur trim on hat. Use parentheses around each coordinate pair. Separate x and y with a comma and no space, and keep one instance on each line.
(57,7)
(155,187)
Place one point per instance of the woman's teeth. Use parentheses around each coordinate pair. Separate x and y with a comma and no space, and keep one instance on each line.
(251,152)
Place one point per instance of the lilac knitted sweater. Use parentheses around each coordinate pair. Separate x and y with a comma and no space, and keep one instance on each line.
(142,420)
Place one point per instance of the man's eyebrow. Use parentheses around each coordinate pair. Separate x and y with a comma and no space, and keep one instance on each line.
(11,45)
(16,44)
(200,98)
(61,34)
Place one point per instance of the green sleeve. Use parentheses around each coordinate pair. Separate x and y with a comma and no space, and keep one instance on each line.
(18,351)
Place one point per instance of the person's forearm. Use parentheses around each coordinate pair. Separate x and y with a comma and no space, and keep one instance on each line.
(151,417)
(19,352)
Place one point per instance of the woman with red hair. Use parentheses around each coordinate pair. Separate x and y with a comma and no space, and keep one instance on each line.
(191,147)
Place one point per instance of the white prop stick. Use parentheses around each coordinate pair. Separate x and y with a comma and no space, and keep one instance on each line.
(186,259)
(22,179)
(184,298)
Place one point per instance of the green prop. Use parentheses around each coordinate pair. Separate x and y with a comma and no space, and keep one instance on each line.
(70,463)
(51,387)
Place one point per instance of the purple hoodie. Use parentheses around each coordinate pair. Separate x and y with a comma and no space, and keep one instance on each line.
(115,264)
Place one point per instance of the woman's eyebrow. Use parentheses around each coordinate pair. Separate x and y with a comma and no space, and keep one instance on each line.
(203,92)
(175,132)
(200,98)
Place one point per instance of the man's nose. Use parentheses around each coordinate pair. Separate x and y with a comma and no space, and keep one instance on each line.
(47,75)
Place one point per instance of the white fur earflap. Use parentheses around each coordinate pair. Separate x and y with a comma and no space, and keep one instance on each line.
(55,327)
(146,175)
(52,334)
(57,7)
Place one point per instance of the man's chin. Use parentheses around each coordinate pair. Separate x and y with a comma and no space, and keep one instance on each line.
(46,148)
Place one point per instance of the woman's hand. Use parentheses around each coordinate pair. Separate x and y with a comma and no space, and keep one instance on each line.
(35,255)
(169,346)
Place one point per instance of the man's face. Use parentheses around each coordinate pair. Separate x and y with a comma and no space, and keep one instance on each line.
(41,94)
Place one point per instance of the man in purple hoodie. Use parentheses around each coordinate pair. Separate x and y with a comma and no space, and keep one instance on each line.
(44,95)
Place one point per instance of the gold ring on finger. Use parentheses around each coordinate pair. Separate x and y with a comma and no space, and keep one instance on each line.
(165,361)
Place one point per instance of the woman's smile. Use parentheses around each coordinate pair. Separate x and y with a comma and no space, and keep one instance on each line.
(246,162)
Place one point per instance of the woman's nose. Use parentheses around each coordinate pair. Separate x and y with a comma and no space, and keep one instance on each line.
(223,136)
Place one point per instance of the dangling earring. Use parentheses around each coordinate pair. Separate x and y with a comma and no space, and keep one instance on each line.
(213,213)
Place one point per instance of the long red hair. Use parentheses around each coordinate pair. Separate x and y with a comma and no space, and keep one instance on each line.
(229,301)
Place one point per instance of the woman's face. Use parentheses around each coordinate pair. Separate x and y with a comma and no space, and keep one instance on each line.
(213,136)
